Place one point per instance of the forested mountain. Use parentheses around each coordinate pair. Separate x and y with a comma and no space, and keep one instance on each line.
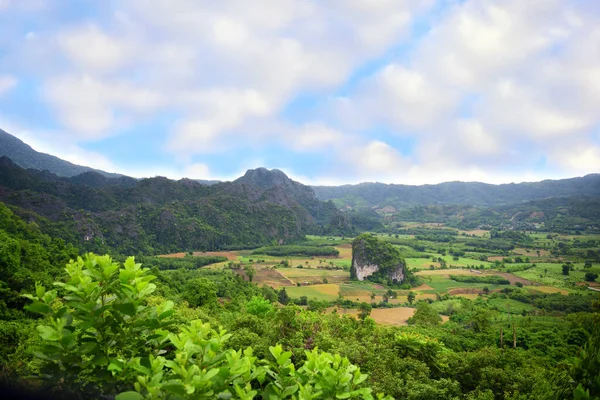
(557,214)
(157,214)
(380,195)
(23,155)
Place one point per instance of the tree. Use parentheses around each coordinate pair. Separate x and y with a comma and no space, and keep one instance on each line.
(104,335)
(250,272)
(283,297)
(411,297)
(425,316)
(259,306)
(590,277)
(372,296)
(486,290)
(565,269)
(588,264)
(199,292)
(365,310)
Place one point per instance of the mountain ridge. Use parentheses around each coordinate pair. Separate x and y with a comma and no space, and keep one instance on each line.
(361,196)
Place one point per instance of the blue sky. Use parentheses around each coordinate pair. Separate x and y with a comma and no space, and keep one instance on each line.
(330,91)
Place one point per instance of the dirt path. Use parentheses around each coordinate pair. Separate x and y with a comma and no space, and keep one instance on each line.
(512,278)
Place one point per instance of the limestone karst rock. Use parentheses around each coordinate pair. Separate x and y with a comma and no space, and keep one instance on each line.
(371,256)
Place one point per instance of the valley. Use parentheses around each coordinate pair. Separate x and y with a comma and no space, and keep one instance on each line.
(113,287)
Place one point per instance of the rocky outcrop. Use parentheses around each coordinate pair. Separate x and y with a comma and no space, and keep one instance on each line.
(371,256)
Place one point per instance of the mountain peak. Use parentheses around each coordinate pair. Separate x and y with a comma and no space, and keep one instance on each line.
(265,178)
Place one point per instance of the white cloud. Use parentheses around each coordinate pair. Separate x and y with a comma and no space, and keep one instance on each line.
(404,98)
(315,136)
(7,82)
(493,85)
(88,107)
(220,65)
(92,49)
(491,88)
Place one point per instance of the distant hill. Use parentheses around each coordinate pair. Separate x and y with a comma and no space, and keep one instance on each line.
(379,195)
(153,215)
(23,155)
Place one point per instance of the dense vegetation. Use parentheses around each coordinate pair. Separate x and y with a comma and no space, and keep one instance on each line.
(491,279)
(369,195)
(297,250)
(261,328)
(155,215)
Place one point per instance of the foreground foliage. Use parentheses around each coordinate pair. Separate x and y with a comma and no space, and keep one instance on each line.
(102,334)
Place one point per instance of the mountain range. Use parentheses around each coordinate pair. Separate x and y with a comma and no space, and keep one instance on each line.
(100,211)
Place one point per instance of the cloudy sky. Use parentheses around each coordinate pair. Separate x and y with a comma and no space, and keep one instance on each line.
(330,91)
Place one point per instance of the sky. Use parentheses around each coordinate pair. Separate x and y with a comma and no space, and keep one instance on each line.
(329,91)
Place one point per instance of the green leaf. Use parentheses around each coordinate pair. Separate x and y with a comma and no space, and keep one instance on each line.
(116,365)
(175,388)
(40,308)
(125,308)
(39,290)
(68,340)
(290,390)
(166,314)
(48,333)
(129,396)
(87,347)
(100,360)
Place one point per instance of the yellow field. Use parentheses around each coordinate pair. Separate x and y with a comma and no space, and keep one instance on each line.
(345,251)
(547,289)
(467,295)
(392,316)
(476,232)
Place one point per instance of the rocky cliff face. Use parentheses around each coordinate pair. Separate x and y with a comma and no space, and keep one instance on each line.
(372,256)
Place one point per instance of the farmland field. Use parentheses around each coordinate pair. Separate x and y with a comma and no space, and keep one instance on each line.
(327,292)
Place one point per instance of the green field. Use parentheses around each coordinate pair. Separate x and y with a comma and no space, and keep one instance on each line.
(327,292)
(424,263)
(550,274)
(442,284)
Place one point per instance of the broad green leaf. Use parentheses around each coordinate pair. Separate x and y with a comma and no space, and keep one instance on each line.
(40,308)
(125,308)
(116,365)
(48,333)
(129,396)
(39,290)
(175,388)
(166,314)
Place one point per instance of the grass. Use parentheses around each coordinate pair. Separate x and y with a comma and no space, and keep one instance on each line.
(424,263)
(509,306)
(298,272)
(550,274)
(546,289)
(327,291)
(442,284)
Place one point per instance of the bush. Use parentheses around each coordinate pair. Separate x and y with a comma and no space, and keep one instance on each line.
(291,250)
(104,334)
(491,279)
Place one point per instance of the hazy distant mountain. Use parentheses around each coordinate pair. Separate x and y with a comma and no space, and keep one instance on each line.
(23,155)
(380,195)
